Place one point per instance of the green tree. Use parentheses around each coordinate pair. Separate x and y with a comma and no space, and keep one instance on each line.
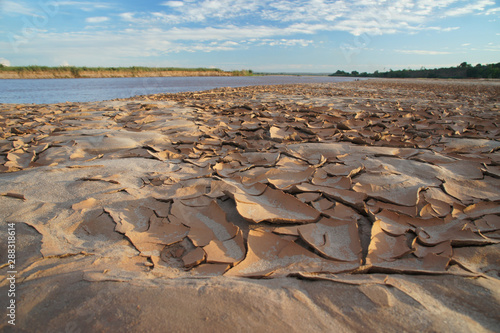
(340,73)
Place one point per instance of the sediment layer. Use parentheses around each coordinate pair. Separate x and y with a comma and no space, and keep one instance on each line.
(104,74)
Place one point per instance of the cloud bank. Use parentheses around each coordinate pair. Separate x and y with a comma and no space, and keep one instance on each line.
(226,25)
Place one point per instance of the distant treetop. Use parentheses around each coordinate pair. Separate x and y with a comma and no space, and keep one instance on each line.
(462,71)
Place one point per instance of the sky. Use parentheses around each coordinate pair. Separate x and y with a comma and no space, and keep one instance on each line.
(266,36)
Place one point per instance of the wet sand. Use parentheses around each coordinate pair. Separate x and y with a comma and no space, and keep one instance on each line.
(355,206)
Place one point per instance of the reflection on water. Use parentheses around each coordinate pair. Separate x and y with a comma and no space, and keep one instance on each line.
(85,90)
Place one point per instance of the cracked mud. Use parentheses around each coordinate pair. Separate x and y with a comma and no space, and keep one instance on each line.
(363,183)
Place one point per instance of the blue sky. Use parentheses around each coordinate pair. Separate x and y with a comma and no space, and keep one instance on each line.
(282,35)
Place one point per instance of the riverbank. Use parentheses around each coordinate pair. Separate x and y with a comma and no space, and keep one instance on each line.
(354,206)
(37,72)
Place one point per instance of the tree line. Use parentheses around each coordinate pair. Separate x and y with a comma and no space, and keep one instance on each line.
(462,71)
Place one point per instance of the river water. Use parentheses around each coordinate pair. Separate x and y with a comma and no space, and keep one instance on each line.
(41,91)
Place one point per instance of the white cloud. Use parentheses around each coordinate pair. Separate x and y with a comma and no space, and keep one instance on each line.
(142,43)
(130,17)
(4,62)
(477,6)
(219,25)
(444,29)
(85,5)
(39,8)
(173,3)
(228,32)
(17,8)
(286,42)
(97,19)
(373,17)
(422,52)
(493,11)
(166,18)
(201,11)
(314,10)
(355,17)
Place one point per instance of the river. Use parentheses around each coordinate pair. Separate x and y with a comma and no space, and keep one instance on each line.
(45,91)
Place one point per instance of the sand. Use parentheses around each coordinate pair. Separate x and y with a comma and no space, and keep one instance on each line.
(355,206)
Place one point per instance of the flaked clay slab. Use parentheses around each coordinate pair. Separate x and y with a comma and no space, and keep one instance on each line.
(154,174)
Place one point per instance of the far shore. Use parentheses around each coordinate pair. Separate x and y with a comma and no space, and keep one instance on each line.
(107,74)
